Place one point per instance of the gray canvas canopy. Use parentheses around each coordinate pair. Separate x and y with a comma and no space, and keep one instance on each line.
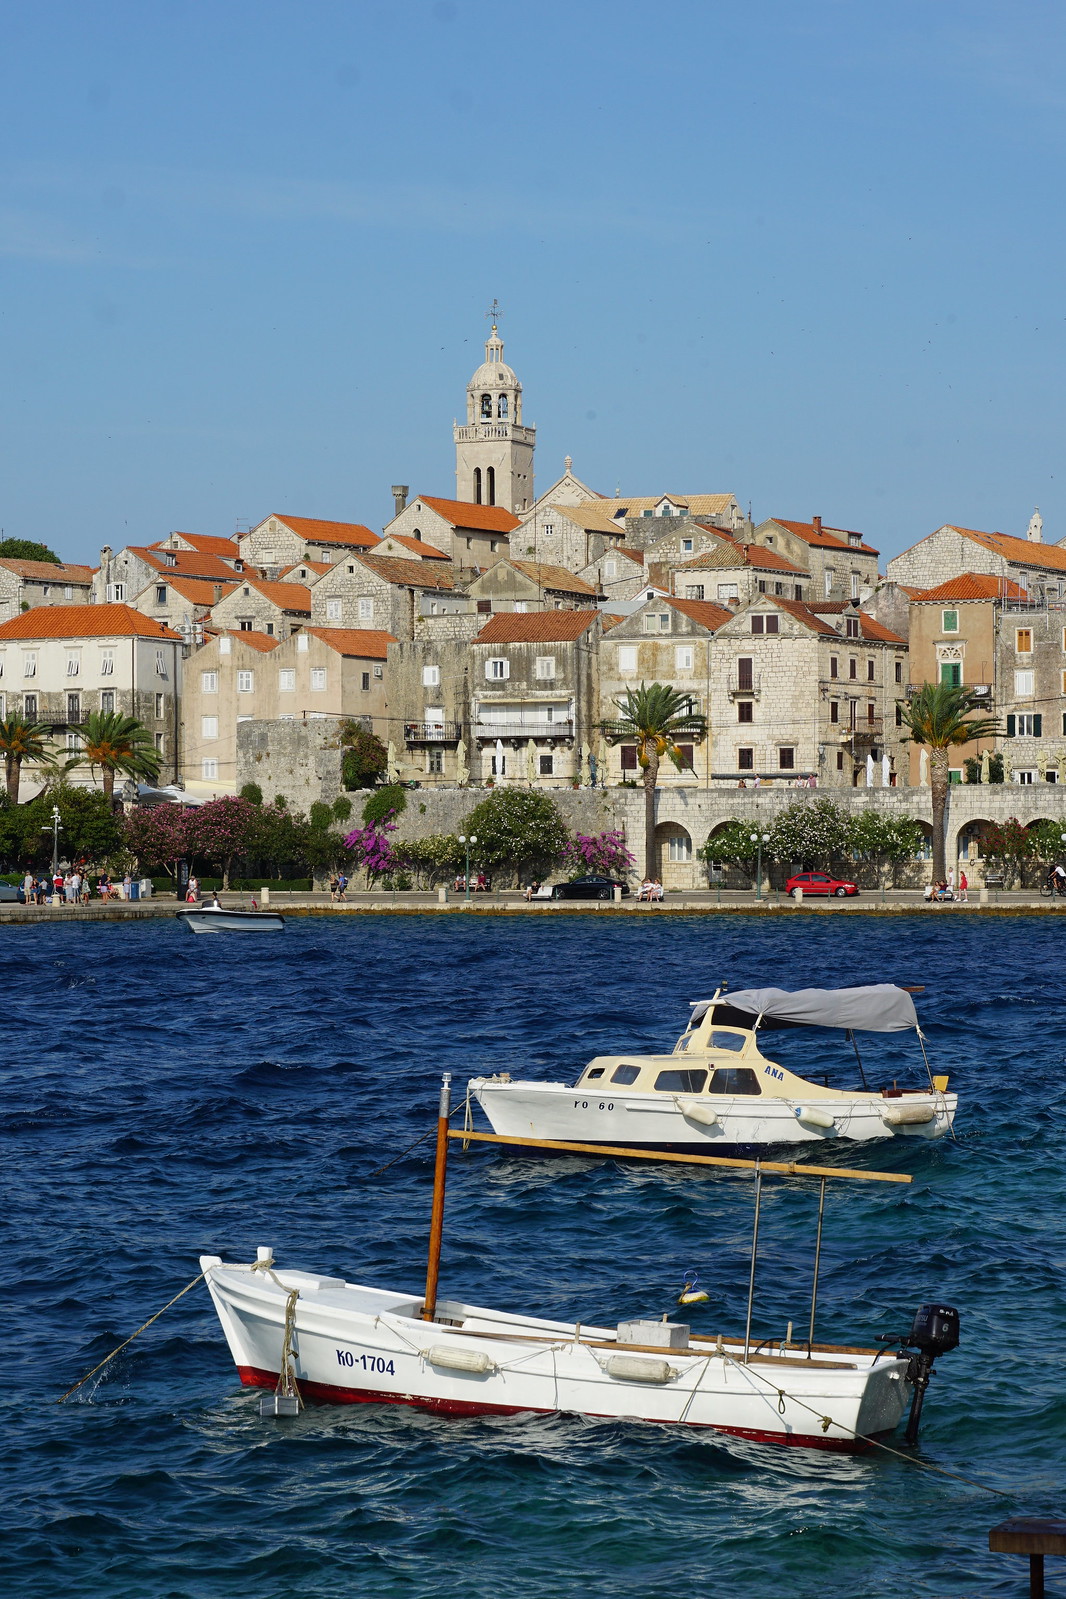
(877,1008)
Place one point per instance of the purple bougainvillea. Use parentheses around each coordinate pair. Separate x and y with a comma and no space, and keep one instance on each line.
(372,850)
(602,854)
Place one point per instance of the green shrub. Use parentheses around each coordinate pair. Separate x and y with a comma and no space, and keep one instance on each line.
(320,815)
(342,809)
(252,792)
(383,800)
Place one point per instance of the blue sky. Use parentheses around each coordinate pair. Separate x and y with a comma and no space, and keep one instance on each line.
(811,253)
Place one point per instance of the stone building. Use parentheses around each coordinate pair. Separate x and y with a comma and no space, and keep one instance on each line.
(430,699)
(797,696)
(841,563)
(1029,689)
(279,541)
(534,696)
(124,574)
(227,550)
(731,573)
(565,534)
(635,515)
(473,536)
(494,448)
(329,671)
(24,584)
(619,574)
(513,585)
(58,663)
(385,592)
(257,605)
(182,602)
(223,682)
(949,552)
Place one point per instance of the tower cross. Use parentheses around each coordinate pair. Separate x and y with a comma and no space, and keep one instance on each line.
(494,312)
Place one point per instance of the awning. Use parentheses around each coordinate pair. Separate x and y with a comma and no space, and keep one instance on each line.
(876,1008)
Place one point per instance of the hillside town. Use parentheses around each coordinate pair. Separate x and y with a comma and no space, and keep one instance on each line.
(486,637)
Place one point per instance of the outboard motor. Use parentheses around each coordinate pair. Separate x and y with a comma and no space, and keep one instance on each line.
(935,1332)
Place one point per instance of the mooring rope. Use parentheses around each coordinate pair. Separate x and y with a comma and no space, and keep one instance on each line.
(107,1358)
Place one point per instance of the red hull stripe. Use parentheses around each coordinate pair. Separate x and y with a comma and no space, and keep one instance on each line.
(328,1393)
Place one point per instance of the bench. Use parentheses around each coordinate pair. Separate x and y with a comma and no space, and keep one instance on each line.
(1026,1536)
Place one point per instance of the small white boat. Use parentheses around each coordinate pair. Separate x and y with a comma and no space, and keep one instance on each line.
(219,919)
(314,1337)
(717,1092)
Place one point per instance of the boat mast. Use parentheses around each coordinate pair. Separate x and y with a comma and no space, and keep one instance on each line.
(436,1222)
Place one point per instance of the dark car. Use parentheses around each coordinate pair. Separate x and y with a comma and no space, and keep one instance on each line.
(820,883)
(589,888)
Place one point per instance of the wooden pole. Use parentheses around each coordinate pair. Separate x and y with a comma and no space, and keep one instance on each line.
(754,1253)
(436,1222)
(790,1168)
(817,1263)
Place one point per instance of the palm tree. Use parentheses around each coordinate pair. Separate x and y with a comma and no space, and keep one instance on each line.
(21,741)
(938,717)
(654,715)
(117,743)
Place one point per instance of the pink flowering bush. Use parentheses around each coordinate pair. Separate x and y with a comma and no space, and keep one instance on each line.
(372,850)
(156,835)
(599,855)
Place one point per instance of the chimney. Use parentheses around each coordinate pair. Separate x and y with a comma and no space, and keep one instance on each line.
(400,491)
(218,594)
(1035,532)
(105,555)
(816,523)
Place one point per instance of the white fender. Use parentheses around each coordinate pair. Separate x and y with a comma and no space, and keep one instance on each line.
(460,1359)
(813,1117)
(907,1115)
(697,1113)
(632,1368)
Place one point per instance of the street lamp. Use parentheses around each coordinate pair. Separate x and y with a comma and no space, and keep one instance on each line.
(467,841)
(55,827)
(759,839)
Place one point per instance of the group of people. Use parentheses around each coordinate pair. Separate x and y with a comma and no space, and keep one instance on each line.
(338,889)
(945,890)
(651,889)
(71,888)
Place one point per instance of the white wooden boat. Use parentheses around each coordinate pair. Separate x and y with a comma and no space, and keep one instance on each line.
(716,1091)
(220,919)
(311,1337)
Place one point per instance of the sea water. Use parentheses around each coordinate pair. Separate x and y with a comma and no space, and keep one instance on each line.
(165,1095)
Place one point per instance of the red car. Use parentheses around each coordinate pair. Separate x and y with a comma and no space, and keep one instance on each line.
(820,883)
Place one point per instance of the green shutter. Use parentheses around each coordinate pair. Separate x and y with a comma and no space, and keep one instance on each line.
(1011,724)
(951,674)
(1038,725)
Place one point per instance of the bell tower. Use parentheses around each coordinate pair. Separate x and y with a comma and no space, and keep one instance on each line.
(494,450)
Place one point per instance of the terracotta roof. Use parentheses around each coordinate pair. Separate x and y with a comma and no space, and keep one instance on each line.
(363,642)
(286,596)
(258,641)
(590,517)
(428,552)
(464,513)
(547,576)
(610,620)
(184,563)
(1021,551)
(204,543)
(755,555)
(970,586)
(315,531)
(49,572)
(319,568)
(876,631)
(197,590)
(85,621)
(536,627)
(632,555)
(410,574)
(802,613)
(694,504)
(830,538)
(705,612)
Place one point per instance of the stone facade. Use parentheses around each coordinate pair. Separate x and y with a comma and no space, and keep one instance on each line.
(429,696)
(386,593)
(1030,691)
(1039,568)
(302,761)
(515,585)
(260,606)
(25,584)
(474,536)
(280,541)
(225,681)
(842,565)
(494,448)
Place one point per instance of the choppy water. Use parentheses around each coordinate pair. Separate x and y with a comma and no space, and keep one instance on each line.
(164,1095)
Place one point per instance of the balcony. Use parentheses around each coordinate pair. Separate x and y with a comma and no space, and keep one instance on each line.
(558,727)
(743,685)
(432,732)
(871,727)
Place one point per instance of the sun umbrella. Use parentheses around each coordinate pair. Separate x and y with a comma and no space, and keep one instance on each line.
(501,759)
(886,772)
(462,771)
(986,765)
(586,754)
(531,761)
(390,755)
(869,771)
(923,768)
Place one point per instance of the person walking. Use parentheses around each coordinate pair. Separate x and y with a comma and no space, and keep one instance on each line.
(342,888)
(29,888)
(963,886)
(334,884)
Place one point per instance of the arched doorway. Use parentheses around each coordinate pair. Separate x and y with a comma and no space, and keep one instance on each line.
(675,856)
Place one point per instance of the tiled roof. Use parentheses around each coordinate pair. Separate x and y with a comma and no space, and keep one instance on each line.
(84,621)
(546,576)
(365,642)
(197,590)
(610,620)
(802,613)
(631,555)
(705,612)
(1023,552)
(829,538)
(876,631)
(204,543)
(319,568)
(259,641)
(49,572)
(536,627)
(286,596)
(590,517)
(732,554)
(970,586)
(315,531)
(184,563)
(409,574)
(693,504)
(464,513)
(427,552)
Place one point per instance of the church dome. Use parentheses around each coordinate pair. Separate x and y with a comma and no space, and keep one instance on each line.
(494,375)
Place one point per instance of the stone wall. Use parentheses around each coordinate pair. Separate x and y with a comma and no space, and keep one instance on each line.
(300,760)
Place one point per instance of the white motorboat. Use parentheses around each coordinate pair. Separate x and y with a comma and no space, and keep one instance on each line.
(717,1092)
(220,919)
(320,1338)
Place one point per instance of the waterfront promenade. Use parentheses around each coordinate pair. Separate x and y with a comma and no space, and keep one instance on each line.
(891,902)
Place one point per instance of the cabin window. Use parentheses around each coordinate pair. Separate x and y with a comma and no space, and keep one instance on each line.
(683,1082)
(726,1041)
(594,1071)
(625,1074)
(734,1080)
